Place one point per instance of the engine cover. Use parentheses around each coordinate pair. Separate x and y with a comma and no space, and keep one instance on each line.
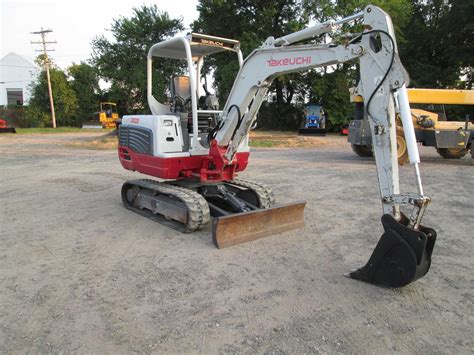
(151,134)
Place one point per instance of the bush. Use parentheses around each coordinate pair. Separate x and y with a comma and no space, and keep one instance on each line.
(14,115)
(38,114)
(280,117)
(37,118)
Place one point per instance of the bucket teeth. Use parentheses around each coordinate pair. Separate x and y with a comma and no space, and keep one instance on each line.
(244,227)
(401,256)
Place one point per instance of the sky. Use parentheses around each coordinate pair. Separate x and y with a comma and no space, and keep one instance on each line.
(74,23)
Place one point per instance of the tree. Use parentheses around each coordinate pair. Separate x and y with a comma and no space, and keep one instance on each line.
(457,35)
(65,100)
(123,61)
(423,55)
(400,11)
(330,86)
(439,47)
(331,90)
(251,22)
(85,84)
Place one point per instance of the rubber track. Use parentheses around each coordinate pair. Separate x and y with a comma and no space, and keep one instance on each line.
(264,193)
(196,205)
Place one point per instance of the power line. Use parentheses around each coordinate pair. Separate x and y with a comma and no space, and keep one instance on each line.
(45,51)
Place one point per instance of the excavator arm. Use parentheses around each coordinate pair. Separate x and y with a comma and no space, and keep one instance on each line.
(403,254)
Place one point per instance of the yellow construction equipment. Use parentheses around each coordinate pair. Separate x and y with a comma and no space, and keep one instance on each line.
(108,114)
(441,96)
(452,139)
(106,117)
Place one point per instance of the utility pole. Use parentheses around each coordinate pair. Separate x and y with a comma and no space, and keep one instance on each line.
(43,41)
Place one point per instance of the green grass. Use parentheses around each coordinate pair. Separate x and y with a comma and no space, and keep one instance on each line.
(58,130)
(261,143)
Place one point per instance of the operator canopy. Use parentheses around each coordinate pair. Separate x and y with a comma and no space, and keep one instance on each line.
(200,44)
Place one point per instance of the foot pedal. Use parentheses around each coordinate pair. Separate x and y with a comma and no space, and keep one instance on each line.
(401,256)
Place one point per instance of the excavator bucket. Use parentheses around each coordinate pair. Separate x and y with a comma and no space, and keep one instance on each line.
(401,256)
(247,226)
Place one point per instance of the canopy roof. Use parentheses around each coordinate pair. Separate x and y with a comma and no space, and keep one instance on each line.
(200,44)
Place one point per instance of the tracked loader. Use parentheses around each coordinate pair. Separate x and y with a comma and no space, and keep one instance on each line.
(197,150)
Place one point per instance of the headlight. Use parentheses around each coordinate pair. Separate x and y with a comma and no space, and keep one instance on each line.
(168,122)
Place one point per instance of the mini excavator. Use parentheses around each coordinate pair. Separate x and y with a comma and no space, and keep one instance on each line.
(196,150)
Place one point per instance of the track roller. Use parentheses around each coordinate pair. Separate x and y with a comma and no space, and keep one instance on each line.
(174,206)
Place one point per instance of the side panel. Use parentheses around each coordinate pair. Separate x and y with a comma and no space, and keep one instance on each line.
(170,167)
(452,139)
(169,138)
(164,168)
(165,129)
(139,139)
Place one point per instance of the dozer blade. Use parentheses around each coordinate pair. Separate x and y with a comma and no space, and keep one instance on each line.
(247,226)
(401,256)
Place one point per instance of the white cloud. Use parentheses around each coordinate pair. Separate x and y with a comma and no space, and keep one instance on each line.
(74,23)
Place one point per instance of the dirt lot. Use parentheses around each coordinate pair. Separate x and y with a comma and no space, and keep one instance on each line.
(79,273)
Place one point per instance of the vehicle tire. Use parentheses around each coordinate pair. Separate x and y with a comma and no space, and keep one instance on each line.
(402,150)
(452,153)
(362,150)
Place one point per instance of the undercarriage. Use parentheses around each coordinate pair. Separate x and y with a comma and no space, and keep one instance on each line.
(239,209)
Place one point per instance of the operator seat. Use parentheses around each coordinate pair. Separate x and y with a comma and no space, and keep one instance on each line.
(180,93)
(180,88)
(181,99)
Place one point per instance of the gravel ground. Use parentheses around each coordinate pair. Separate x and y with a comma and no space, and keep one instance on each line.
(80,273)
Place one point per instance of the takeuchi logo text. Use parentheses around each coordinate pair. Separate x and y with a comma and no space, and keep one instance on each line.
(212,43)
(288,61)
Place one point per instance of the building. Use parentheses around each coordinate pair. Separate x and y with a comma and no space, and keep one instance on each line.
(16,77)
